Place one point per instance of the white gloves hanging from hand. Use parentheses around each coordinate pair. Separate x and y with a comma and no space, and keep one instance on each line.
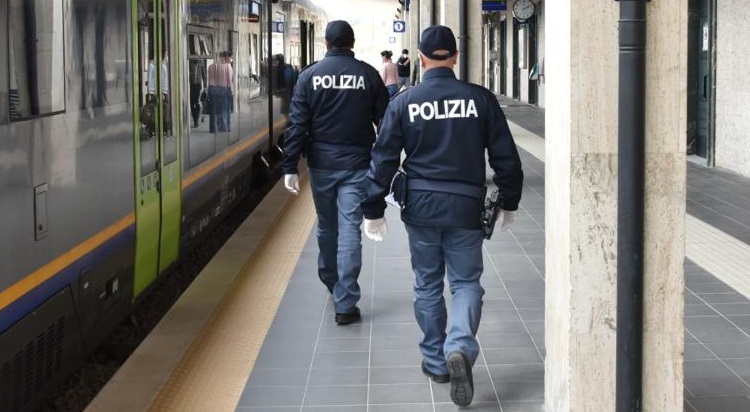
(291,183)
(507,219)
(376,229)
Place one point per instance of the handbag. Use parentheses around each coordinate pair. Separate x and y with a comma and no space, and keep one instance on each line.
(148,116)
(206,102)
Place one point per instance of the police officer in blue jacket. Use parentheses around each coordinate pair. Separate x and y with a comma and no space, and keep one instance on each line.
(445,126)
(336,105)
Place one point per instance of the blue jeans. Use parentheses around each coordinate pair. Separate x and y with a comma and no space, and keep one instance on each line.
(220,110)
(433,250)
(337,195)
(392,89)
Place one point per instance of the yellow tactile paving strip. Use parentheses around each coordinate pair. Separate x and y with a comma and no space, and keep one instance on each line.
(212,374)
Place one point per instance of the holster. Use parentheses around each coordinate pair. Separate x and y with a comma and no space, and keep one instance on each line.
(490,212)
(398,188)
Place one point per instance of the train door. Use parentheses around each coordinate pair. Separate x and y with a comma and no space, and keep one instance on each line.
(156,99)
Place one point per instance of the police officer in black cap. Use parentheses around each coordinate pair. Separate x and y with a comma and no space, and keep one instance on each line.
(336,105)
(445,126)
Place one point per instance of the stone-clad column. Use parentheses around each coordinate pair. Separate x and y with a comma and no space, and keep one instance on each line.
(476,47)
(448,15)
(413,29)
(581,70)
(664,248)
(425,13)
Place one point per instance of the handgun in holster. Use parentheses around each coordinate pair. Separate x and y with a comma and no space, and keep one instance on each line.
(398,189)
(490,212)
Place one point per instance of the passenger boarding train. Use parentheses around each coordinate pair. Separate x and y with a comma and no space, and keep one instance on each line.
(112,169)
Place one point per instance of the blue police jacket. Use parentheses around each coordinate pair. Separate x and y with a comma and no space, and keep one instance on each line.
(336,105)
(445,126)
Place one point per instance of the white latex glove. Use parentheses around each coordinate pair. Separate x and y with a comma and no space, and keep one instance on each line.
(376,229)
(507,219)
(291,183)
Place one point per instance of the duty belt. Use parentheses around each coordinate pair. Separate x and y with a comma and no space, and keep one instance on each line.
(445,186)
(354,148)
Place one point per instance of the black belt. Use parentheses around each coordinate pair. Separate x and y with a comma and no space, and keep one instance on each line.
(445,186)
(354,148)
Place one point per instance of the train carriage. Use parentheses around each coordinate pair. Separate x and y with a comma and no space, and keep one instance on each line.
(112,166)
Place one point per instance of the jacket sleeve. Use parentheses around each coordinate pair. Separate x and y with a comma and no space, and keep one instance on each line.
(503,157)
(386,156)
(381,100)
(297,128)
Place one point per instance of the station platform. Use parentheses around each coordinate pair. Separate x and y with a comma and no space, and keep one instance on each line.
(256,330)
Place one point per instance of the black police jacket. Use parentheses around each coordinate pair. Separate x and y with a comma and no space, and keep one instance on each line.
(445,126)
(336,105)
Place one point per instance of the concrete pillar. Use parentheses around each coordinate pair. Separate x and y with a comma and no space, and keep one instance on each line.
(425,13)
(425,18)
(413,29)
(666,191)
(476,46)
(581,70)
(448,14)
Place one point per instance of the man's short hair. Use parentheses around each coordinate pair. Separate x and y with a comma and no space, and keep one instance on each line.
(404,51)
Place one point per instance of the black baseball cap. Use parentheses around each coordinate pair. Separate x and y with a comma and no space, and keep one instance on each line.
(435,39)
(339,34)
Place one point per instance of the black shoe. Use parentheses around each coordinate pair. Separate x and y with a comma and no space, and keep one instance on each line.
(462,383)
(349,317)
(435,377)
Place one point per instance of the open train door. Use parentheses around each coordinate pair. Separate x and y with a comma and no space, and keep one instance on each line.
(156,106)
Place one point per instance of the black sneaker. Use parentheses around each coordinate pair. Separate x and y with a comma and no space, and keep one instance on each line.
(349,317)
(462,383)
(435,377)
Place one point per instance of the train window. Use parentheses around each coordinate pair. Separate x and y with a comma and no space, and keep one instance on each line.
(251,76)
(35,58)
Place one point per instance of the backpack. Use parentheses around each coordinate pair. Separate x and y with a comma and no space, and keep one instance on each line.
(290,75)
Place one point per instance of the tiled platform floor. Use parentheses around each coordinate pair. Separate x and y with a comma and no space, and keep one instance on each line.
(309,364)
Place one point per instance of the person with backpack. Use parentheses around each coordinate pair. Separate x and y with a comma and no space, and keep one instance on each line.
(404,68)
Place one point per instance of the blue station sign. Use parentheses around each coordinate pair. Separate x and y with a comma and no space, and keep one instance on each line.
(494,5)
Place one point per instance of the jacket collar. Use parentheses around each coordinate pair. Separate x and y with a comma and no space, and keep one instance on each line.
(438,72)
(340,52)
